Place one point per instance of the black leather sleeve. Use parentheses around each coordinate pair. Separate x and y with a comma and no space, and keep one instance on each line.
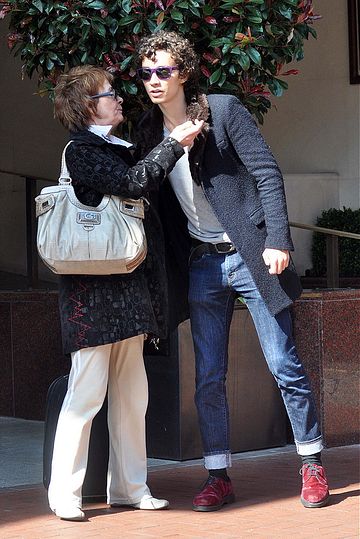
(101,168)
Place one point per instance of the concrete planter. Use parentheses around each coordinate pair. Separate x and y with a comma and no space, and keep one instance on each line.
(257,414)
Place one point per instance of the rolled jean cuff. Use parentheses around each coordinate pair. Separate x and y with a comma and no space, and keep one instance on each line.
(215,462)
(309,448)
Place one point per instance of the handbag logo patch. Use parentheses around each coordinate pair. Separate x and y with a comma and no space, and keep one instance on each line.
(88,218)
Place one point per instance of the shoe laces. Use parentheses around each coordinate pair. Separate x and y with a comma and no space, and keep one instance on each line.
(315,470)
(209,481)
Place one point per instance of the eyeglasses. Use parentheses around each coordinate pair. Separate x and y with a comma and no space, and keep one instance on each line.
(162,72)
(112,93)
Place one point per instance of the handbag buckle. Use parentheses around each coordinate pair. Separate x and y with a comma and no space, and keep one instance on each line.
(88,218)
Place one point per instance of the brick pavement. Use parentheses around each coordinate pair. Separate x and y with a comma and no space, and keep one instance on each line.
(267,506)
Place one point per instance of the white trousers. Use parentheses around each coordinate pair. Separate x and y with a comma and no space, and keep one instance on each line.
(118,367)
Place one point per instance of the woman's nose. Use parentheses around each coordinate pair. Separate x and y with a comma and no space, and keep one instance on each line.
(120,99)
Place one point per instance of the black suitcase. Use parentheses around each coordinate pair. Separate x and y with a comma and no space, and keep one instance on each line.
(94,487)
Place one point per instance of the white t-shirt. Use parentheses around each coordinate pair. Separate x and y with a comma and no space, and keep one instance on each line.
(202,222)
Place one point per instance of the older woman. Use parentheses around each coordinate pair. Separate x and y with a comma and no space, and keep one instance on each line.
(106,318)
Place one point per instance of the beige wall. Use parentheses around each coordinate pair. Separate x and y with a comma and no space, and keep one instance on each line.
(30,142)
(313,131)
(30,139)
(315,128)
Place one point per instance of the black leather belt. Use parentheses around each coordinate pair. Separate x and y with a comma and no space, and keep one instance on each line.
(199,248)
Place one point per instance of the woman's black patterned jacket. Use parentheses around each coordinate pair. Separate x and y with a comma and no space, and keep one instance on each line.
(98,310)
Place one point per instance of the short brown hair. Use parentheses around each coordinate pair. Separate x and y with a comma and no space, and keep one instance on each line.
(181,51)
(72,105)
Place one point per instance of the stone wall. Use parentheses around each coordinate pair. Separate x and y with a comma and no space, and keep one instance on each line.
(326,326)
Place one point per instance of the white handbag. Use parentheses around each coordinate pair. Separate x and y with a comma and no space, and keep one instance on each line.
(73,238)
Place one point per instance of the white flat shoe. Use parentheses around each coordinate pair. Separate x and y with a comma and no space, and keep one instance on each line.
(150,503)
(70,513)
(147,502)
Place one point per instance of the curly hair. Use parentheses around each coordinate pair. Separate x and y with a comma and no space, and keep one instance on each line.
(73,106)
(182,52)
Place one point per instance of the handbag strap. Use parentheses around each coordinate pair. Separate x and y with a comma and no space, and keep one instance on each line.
(64,178)
(137,206)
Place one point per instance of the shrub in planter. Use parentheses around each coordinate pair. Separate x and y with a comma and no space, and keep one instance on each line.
(347,220)
(244,45)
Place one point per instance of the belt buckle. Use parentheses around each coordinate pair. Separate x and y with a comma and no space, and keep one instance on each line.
(227,248)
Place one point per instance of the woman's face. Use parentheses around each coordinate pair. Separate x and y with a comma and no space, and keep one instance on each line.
(108,109)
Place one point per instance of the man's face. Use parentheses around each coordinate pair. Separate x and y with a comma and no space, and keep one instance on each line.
(161,91)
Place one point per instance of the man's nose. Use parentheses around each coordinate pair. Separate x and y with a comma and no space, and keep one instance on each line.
(154,78)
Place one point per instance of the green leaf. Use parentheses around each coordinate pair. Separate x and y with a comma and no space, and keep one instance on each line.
(207,10)
(254,55)
(137,28)
(215,76)
(125,63)
(99,28)
(232,88)
(38,4)
(244,61)
(129,87)
(49,64)
(254,19)
(275,88)
(232,69)
(286,12)
(113,27)
(283,84)
(84,58)
(222,79)
(63,28)
(85,32)
(126,5)
(49,8)
(220,41)
(124,21)
(195,11)
(95,4)
(226,48)
(177,15)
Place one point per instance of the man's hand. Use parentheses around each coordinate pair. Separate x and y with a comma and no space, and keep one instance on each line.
(276,259)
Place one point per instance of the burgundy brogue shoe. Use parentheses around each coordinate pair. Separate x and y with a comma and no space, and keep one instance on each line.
(215,493)
(315,489)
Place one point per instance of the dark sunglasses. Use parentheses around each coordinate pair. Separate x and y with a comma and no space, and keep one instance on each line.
(162,72)
(112,93)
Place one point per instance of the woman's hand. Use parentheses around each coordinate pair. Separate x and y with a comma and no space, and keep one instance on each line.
(185,133)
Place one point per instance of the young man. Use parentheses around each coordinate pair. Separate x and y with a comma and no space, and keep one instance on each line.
(231,194)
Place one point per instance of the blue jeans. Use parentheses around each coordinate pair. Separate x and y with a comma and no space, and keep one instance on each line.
(215,281)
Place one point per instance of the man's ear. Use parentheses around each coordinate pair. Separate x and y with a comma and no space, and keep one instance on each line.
(183,78)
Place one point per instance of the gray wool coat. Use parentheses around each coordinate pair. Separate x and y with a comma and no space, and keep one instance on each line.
(244,186)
